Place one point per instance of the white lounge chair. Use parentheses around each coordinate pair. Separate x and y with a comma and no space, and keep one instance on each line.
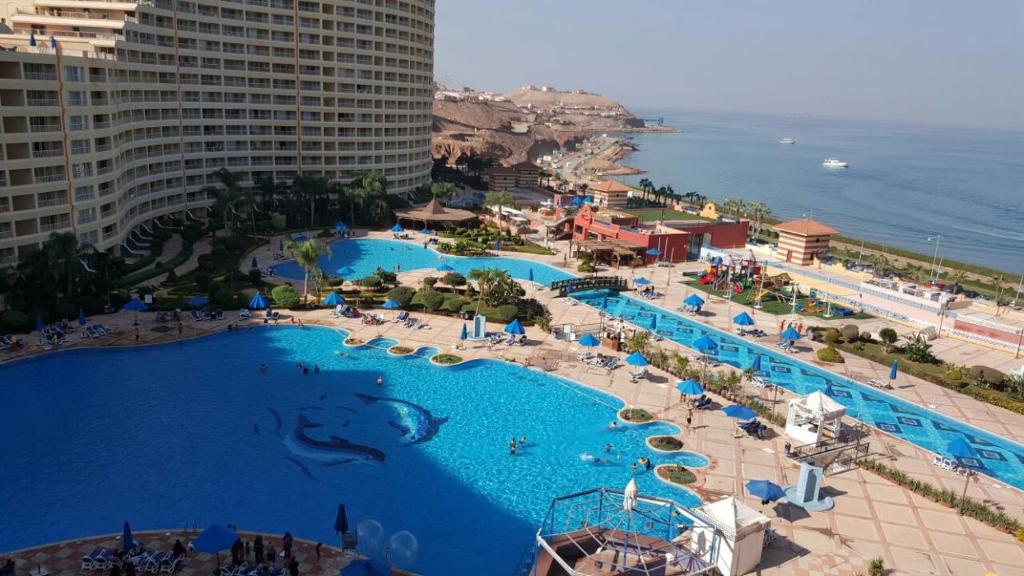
(243,313)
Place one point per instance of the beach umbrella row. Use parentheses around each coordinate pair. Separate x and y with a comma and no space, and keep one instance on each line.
(791,334)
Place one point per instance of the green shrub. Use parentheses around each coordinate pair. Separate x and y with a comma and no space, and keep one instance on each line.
(889,336)
(987,375)
(14,321)
(91,304)
(66,311)
(507,312)
(667,443)
(829,354)
(447,359)
(850,332)
(430,299)
(638,415)
(454,279)
(370,282)
(225,298)
(285,296)
(831,336)
(401,294)
(677,474)
(954,373)
(429,282)
(366,299)
(255,276)
(453,303)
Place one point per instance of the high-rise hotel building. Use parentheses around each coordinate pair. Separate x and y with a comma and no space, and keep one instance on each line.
(114,114)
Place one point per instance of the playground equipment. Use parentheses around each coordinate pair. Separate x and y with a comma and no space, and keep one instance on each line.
(736,274)
(773,286)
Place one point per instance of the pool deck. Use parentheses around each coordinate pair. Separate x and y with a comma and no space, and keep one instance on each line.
(872,518)
(64,558)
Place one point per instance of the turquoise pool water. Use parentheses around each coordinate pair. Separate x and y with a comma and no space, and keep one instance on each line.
(192,433)
(364,255)
(995,456)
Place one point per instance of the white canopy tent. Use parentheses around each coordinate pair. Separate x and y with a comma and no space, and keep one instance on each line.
(813,418)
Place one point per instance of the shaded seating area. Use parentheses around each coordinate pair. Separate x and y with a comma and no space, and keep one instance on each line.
(611,251)
(434,215)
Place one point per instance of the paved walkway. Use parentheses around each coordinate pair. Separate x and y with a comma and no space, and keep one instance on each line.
(172,248)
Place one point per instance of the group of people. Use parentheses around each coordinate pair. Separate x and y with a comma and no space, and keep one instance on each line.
(514,447)
(260,551)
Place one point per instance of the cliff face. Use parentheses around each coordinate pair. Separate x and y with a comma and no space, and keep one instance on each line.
(523,124)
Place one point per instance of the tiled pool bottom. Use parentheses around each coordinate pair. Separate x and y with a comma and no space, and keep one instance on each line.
(998,457)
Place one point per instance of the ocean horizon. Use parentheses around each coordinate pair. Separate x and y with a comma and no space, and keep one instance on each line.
(906,182)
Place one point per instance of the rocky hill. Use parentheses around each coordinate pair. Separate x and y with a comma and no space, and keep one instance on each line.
(524,123)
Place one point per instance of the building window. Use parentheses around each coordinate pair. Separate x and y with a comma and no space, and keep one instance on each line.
(73,74)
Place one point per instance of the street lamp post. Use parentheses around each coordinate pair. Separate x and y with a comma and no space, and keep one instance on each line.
(935,257)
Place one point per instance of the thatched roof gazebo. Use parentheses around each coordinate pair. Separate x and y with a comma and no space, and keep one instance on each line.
(434,215)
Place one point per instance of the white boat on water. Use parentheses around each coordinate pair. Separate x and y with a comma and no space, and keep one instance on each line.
(834,163)
(787,141)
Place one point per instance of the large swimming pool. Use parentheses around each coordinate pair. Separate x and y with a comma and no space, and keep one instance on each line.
(364,255)
(193,433)
(995,456)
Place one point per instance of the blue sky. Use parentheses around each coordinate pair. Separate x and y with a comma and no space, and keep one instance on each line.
(936,61)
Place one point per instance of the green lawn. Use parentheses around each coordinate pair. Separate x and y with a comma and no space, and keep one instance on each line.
(651,214)
(769,303)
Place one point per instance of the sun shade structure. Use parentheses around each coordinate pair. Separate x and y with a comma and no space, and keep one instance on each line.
(814,418)
(694,300)
(345,271)
(765,490)
(641,281)
(391,304)
(589,340)
(258,302)
(636,359)
(514,327)
(705,345)
(135,305)
(333,299)
(434,214)
(214,539)
(791,334)
(690,387)
(197,301)
(743,319)
(739,412)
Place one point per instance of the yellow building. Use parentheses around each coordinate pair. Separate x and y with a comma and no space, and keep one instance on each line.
(114,114)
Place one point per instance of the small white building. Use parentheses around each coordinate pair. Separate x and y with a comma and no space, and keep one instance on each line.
(738,532)
(814,418)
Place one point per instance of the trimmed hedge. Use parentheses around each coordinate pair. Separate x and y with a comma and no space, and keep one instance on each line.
(829,354)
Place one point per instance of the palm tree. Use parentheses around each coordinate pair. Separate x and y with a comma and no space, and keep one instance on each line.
(61,250)
(227,196)
(497,287)
(501,199)
(442,190)
(307,254)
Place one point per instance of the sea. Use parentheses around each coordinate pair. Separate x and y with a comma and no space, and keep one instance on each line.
(908,186)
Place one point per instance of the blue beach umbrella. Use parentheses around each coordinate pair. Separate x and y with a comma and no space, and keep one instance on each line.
(81,317)
(445,267)
(497,245)
(654,252)
(705,344)
(39,323)
(127,542)
(198,301)
(765,490)
(694,300)
(829,391)
(641,281)
(254,263)
(894,370)
(743,319)
(589,340)
(258,302)
(791,334)
(739,412)
(345,271)
(756,364)
(135,305)
(333,299)
(426,231)
(397,229)
(340,227)
(530,275)
(690,387)
(465,332)
(391,304)
(636,359)
(716,261)
(301,238)
(215,539)
(515,328)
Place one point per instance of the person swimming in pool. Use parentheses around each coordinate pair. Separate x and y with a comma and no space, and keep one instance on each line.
(380,380)
(608,447)
(512,447)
